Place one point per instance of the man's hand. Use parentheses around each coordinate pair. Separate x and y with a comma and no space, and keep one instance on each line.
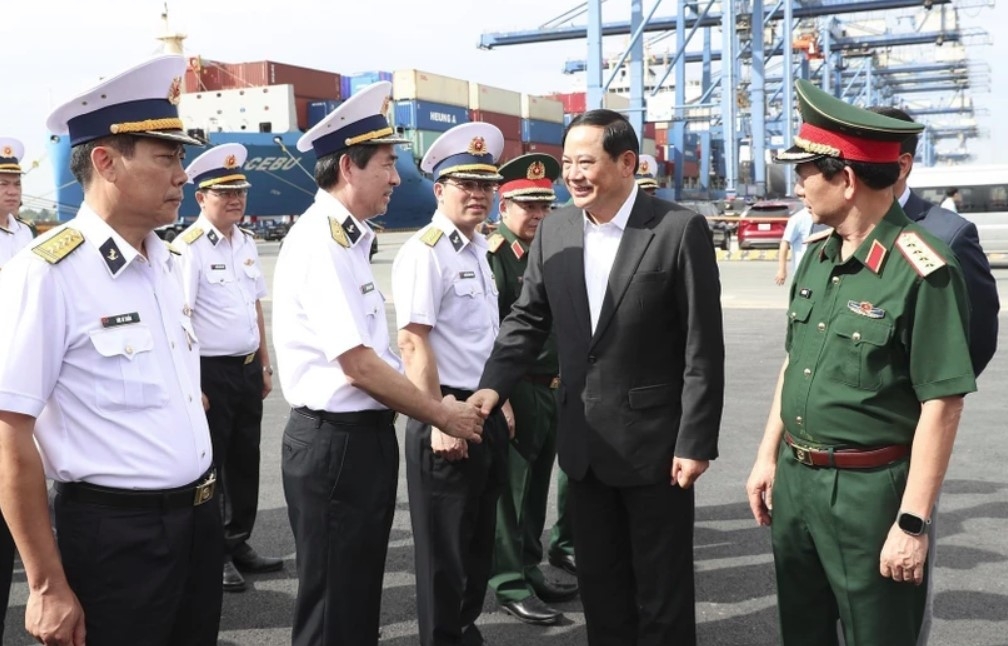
(780,277)
(509,418)
(448,447)
(485,400)
(685,471)
(759,488)
(463,420)
(54,616)
(206,402)
(902,558)
(267,384)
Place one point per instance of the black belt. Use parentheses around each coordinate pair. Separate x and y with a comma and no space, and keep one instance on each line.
(355,418)
(244,359)
(191,495)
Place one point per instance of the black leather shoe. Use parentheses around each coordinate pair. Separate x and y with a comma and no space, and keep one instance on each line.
(565,562)
(471,636)
(233,580)
(532,610)
(556,591)
(247,559)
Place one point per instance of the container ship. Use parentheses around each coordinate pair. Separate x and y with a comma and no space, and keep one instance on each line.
(267,105)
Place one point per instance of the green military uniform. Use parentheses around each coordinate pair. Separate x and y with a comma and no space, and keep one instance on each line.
(521,510)
(869,339)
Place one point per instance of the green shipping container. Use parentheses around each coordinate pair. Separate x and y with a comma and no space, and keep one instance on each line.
(421,140)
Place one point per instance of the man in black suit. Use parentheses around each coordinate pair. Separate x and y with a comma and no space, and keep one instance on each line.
(961,235)
(631,285)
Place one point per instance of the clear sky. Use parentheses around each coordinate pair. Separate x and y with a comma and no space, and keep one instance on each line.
(55,48)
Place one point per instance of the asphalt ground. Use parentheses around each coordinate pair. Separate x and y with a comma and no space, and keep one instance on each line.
(734,569)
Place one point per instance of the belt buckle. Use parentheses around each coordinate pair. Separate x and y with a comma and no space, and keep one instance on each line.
(801,454)
(249,357)
(554,383)
(205,490)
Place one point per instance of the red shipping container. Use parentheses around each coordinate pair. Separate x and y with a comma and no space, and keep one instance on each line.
(661,137)
(549,149)
(691,169)
(649,130)
(317,84)
(301,108)
(512,149)
(510,126)
(660,154)
(573,102)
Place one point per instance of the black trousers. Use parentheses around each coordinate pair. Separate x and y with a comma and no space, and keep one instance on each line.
(6,569)
(144,577)
(234,389)
(453,508)
(634,550)
(340,485)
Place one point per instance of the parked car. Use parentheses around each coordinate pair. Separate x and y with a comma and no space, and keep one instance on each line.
(721,230)
(761,225)
(170,231)
(274,231)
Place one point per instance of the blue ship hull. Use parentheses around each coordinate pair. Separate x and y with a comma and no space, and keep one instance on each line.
(282,184)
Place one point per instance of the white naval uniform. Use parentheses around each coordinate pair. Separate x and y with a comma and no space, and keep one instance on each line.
(450,287)
(14,236)
(222,279)
(326,302)
(97,347)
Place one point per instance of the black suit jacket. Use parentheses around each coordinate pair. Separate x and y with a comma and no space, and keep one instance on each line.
(961,235)
(650,381)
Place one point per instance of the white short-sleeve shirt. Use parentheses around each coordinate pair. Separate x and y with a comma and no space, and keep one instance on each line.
(223,280)
(14,236)
(98,348)
(448,285)
(326,302)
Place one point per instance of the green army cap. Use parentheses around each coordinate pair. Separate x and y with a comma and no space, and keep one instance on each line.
(834,128)
(529,178)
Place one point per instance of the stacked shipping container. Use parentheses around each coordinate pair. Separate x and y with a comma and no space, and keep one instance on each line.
(426,105)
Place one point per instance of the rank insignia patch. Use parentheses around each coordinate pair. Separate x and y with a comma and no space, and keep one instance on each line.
(864,308)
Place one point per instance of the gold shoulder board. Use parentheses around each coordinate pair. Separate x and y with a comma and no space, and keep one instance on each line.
(494,242)
(431,236)
(338,234)
(192,235)
(173,249)
(59,246)
(819,235)
(918,253)
(246,232)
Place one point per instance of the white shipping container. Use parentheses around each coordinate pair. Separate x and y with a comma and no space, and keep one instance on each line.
(414,84)
(541,108)
(494,99)
(616,102)
(649,147)
(240,110)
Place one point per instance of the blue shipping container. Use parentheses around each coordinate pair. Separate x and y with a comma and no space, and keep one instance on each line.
(427,115)
(317,110)
(364,79)
(542,132)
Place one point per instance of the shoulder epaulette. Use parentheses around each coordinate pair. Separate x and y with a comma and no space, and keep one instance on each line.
(919,254)
(59,246)
(819,235)
(246,232)
(494,242)
(173,249)
(431,236)
(192,235)
(338,234)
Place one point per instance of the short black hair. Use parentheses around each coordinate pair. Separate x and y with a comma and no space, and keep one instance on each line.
(619,135)
(877,176)
(909,145)
(80,155)
(951,191)
(327,167)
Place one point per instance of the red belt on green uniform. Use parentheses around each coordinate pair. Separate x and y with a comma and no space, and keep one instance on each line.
(846,458)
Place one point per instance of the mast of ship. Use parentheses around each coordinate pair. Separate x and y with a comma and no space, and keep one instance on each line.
(171,40)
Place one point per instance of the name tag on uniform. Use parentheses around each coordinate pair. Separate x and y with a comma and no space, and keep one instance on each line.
(467,274)
(218,267)
(367,288)
(120,319)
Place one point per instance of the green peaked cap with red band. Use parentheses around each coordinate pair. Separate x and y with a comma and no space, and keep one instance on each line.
(529,178)
(834,128)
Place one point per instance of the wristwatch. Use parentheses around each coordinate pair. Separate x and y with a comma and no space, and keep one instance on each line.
(268,370)
(912,523)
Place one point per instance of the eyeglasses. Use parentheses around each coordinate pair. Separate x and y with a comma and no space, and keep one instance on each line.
(229,193)
(472,186)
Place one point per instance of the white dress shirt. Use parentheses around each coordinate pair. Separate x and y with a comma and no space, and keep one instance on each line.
(223,280)
(601,242)
(450,287)
(14,236)
(98,347)
(326,302)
